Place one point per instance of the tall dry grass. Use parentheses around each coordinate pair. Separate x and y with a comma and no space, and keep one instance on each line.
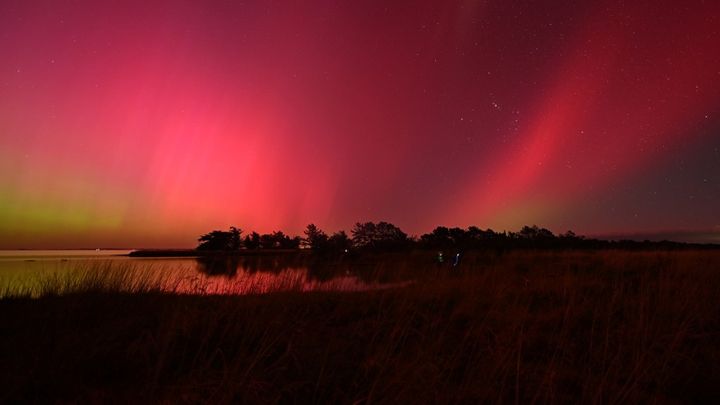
(521,327)
(177,278)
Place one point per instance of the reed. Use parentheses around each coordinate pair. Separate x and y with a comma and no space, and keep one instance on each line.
(521,327)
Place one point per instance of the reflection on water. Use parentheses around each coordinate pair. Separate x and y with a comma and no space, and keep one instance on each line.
(22,271)
(14,255)
(219,266)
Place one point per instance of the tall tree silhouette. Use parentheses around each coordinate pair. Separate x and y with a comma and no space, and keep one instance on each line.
(315,238)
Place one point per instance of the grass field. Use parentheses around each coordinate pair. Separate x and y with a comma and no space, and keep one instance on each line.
(520,327)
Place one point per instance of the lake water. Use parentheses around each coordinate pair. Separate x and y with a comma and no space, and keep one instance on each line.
(31,271)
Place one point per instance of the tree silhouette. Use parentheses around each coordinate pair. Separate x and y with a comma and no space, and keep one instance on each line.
(471,238)
(382,235)
(363,234)
(278,240)
(221,240)
(339,241)
(535,233)
(267,241)
(252,241)
(458,236)
(315,238)
(283,241)
(439,237)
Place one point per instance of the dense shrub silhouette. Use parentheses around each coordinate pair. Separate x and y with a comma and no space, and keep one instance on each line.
(221,240)
(382,236)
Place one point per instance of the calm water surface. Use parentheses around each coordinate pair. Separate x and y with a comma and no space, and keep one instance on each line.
(30,270)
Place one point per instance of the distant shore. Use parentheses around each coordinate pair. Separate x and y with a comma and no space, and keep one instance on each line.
(199,253)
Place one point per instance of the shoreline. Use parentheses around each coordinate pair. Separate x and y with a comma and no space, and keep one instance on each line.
(201,253)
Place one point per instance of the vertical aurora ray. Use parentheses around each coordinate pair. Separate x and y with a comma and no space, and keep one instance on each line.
(629,94)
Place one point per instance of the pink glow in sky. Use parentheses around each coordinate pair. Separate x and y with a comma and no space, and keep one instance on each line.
(148,123)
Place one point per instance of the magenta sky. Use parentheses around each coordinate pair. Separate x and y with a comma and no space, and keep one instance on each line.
(147,123)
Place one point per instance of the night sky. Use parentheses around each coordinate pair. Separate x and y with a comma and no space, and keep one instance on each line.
(146,124)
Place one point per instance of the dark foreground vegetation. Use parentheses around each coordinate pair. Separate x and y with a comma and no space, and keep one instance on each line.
(521,326)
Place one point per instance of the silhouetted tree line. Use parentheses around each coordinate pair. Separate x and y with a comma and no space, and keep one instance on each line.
(231,241)
(384,236)
(534,237)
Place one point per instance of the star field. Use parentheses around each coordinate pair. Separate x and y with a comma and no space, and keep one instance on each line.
(145,124)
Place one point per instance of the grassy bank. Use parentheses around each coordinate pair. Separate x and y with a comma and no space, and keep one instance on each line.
(587,327)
